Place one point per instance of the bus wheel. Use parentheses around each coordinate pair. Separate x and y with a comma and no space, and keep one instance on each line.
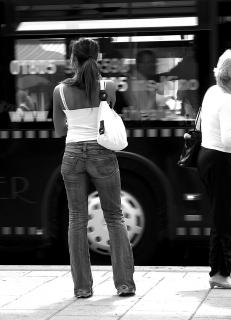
(141,211)
(97,230)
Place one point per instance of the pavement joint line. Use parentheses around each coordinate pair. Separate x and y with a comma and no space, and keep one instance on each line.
(27,292)
(199,305)
(56,277)
(61,309)
(140,298)
(26,274)
(102,281)
(186,273)
(146,273)
(105,273)
(71,302)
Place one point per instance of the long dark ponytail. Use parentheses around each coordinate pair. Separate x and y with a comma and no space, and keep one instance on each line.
(84,63)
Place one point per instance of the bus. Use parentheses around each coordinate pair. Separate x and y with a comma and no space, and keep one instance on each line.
(160,54)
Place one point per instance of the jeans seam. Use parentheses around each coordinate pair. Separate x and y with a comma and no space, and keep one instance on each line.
(109,176)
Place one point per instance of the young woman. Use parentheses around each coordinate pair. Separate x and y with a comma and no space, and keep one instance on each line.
(76,102)
(214,164)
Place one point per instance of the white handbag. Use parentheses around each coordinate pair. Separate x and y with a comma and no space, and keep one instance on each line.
(111,130)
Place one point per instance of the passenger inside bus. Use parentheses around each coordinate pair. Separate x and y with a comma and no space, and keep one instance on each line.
(145,94)
(186,72)
(24,101)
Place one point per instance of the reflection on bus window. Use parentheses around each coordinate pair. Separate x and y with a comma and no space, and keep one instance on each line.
(186,74)
(24,100)
(38,66)
(145,94)
(155,77)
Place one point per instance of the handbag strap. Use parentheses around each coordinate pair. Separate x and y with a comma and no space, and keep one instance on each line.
(197,118)
(102,84)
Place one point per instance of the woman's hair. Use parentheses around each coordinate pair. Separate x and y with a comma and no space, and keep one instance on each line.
(84,56)
(222,72)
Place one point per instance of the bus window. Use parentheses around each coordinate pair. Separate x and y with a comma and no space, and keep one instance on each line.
(38,66)
(156,76)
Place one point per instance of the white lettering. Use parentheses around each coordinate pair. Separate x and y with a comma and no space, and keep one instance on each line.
(14,67)
(14,188)
(33,67)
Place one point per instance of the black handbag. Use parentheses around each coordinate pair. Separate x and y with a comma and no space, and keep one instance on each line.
(191,148)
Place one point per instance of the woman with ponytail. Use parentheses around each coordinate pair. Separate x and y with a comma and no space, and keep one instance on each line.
(75,109)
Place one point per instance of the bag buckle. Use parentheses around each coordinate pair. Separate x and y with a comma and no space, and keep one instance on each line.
(103,95)
(101,127)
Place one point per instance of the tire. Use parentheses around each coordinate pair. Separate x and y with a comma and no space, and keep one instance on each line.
(144,208)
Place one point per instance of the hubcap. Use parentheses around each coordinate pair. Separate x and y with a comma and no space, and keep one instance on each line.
(98,236)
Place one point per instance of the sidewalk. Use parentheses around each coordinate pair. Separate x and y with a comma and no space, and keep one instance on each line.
(163,293)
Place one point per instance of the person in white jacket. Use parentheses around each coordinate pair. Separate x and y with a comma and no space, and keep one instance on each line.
(214,165)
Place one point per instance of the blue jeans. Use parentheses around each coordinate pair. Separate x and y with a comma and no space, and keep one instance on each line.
(82,162)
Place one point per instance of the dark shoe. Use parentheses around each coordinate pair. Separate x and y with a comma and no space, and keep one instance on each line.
(83,293)
(124,291)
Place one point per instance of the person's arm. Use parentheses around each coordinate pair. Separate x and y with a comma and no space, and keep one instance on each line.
(225,124)
(59,117)
(111,91)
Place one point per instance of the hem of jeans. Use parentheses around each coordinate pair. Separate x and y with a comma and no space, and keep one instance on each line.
(223,274)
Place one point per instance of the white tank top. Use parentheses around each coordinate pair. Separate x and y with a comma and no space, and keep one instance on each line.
(81,123)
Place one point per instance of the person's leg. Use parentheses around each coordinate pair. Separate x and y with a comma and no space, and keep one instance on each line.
(221,213)
(215,173)
(206,160)
(106,178)
(214,252)
(76,184)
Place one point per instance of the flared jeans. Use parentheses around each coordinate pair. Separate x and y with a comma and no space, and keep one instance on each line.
(84,162)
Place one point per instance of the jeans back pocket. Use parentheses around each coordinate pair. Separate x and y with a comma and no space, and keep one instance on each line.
(68,163)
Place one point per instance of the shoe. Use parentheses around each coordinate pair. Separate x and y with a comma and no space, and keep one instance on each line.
(124,291)
(83,293)
(220,282)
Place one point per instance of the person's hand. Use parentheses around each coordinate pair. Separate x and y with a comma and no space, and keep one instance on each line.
(187,136)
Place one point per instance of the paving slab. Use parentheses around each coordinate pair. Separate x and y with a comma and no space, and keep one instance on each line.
(163,293)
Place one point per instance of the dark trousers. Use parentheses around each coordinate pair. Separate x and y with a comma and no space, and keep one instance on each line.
(215,171)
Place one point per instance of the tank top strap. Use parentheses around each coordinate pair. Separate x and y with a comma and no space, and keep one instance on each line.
(62,96)
(102,84)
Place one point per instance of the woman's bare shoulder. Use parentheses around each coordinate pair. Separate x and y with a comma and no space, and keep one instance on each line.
(57,88)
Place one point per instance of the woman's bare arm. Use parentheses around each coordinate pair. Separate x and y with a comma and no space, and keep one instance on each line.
(59,116)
